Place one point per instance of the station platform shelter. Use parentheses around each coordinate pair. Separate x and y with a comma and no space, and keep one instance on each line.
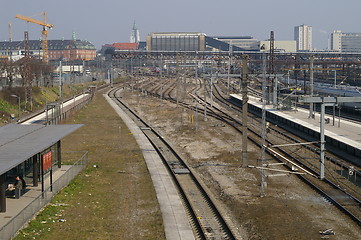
(33,153)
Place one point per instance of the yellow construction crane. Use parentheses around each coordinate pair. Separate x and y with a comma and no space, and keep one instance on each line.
(44,33)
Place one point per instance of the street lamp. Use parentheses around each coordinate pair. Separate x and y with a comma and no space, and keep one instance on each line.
(18,97)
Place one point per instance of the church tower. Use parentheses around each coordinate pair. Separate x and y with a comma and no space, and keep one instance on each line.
(134,37)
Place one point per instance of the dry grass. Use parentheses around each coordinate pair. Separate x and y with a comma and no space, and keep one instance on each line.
(116,199)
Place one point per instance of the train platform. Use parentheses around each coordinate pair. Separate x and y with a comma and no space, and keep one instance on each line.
(338,132)
(175,220)
(16,206)
(32,152)
(65,106)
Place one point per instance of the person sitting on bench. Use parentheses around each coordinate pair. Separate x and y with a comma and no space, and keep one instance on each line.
(18,187)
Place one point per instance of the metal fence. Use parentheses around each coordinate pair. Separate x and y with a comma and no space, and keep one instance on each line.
(16,223)
(62,115)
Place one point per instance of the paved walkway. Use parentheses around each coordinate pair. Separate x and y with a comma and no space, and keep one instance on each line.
(175,221)
(15,213)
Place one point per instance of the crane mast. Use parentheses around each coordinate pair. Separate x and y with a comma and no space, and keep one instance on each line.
(44,41)
(44,33)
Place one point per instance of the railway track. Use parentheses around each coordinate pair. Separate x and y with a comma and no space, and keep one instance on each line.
(207,221)
(335,189)
(332,188)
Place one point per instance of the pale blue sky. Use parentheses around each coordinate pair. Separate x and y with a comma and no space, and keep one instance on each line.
(109,21)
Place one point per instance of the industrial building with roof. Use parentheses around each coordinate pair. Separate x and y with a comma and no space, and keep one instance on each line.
(243,42)
(58,49)
(280,46)
(196,41)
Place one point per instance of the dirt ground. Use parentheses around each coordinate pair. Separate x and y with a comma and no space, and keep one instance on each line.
(289,210)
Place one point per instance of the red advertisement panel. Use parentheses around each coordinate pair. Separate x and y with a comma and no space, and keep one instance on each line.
(47,161)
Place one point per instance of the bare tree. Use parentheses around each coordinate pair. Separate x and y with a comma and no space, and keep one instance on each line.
(8,71)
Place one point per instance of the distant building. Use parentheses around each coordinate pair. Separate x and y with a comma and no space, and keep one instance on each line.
(336,40)
(108,49)
(280,46)
(245,43)
(195,41)
(176,41)
(303,37)
(346,42)
(125,46)
(58,49)
(134,36)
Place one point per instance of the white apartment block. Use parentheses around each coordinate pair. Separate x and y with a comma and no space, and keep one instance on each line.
(303,37)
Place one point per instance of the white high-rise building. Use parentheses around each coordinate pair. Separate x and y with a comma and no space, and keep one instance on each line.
(303,37)
(336,40)
(134,36)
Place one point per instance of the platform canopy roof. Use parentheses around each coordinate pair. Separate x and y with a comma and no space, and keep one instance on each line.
(20,142)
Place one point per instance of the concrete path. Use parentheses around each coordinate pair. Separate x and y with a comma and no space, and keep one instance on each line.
(174,216)
(342,130)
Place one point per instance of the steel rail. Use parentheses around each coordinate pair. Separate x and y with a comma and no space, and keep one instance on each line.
(202,231)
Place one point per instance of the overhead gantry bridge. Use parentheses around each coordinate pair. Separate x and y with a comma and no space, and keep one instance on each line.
(347,63)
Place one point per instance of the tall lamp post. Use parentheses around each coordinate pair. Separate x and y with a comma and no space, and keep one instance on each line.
(18,97)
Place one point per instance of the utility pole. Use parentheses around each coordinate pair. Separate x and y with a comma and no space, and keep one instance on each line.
(161,66)
(205,98)
(196,115)
(272,70)
(27,73)
(177,76)
(184,79)
(264,102)
(288,78)
(311,115)
(60,81)
(244,110)
(111,75)
(275,87)
(211,93)
(196,68)
(229,65)
(110,80)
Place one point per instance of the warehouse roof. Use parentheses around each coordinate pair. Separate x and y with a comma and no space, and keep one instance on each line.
(20,142)
(125,46)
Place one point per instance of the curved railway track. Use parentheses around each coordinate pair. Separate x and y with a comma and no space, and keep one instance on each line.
(338,191)
(207,221)
(332,188)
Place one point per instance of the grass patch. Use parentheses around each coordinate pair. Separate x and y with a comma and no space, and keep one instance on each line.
(116,199)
